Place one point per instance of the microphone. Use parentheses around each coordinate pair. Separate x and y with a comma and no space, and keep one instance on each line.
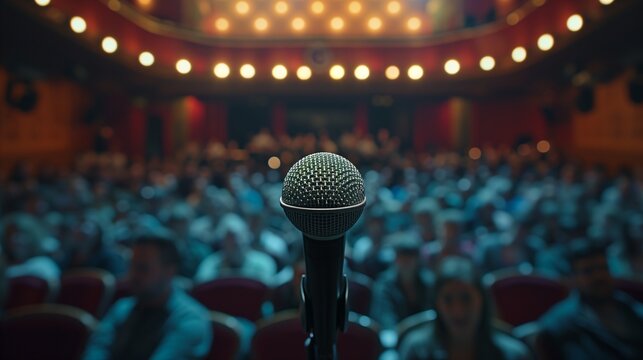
(323,196)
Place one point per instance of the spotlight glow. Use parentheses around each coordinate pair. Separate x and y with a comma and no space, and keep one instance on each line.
(42,2)
(242,7)
(337,23)
(545,42)
(392,72)
(452,66)
(519,54)
(414,23)
(78,24)
(279,72)
(146,58)
(393,7)
(222,24)
(374,23)
(183,66)
(415,72)
(281,7)
(354,7)
(304,73)
(221,70)
(317,7)
(109,44)
(362,72)
(475,153)
(575,22)
(606,2)
(261,24)
(247,71)
(274,162)
(487,63)
(298,24)
(543,146)
(337,72)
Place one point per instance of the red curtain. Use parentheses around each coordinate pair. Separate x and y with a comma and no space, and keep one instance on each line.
(432,128)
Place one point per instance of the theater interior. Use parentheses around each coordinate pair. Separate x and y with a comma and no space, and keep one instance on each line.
(144,146)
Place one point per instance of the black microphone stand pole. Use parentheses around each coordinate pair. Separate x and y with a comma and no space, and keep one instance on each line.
(324,295)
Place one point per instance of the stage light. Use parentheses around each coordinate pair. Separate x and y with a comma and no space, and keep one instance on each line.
(337,72)
(242,7)
(247,71)
(513,18)
(543,146)
(392,72)
(337,23)
(606,2)
(222,24)
(519,54)
(375,23)
(545,42)
(146,58)
(221,70)
(109,44)
(415,72)
(298,24)
(145,4)
(183,66)
(281,7)
(475,153)
(452,66)
(279,72)
(42,2)
(362,72)
(413,23)
(538,3)
(261,24)
(393,7)
(274,162)
(78,24)
(317,7)
(575,22)
(354,7)
(487,63)
(304,73)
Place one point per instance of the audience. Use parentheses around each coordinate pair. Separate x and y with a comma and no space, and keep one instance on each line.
(219,205)
(159,321)
(463,328)
(596,321)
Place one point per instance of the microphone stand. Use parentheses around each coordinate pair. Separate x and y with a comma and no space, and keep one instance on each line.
(324,293)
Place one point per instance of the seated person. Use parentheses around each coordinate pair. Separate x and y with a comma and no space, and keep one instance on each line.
(595,321)
(406,288)
(450,239)
(236,257)
(286,296)
(370,254)
(160,321)
(462,328)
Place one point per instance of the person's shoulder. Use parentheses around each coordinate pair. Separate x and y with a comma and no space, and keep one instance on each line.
(187,306)
(418,343)
(511,348)
(560,314)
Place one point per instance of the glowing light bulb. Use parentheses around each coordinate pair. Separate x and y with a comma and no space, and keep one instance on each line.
(337,72)
(222,24)
(183,66)
(304,73)
(146,58)
(545,42)
(519,54)
(452,66)
(42,2)
(414,23)
(247,71)
(487,63)
(221,70)
(575,22)
(392,72)
(279,72)
(78,24)
(109,44)
(362,72)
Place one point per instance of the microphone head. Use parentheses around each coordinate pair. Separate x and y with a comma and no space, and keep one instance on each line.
(323,195)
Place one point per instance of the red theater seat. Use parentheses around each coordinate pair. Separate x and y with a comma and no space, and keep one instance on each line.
(632,287)
(521,298)
(45,332)
(29,290)
(227,337)
(282,338)
(240,297)
(87,289)
(360,293)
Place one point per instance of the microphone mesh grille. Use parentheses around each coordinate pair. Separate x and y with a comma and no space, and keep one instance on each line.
(323,180)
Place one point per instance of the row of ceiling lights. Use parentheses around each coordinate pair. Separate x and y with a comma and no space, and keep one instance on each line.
(337,72)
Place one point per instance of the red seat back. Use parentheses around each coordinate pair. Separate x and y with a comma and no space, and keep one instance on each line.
(28,290)
(520,299)
(282,338)
(240,297)
(45,332)
(227,337)
(360,293)
(89,289)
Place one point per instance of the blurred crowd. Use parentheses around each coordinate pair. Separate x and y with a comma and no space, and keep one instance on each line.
(219,205)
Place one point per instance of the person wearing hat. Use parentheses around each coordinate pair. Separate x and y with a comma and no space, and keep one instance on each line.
(406,288)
